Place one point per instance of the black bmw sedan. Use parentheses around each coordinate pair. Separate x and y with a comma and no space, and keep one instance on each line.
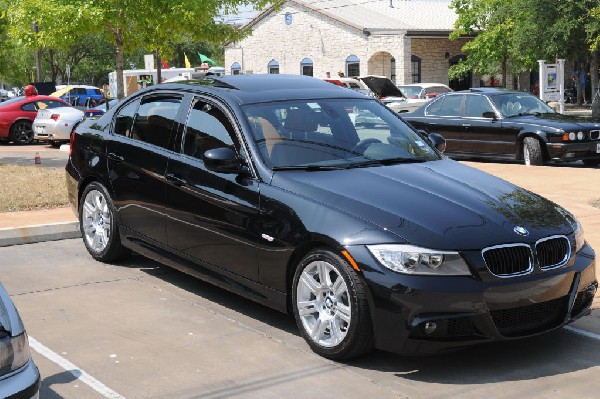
(506,124)
(267,186)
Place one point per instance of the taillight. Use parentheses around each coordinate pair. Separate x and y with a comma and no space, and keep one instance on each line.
(55,117)
(71,141)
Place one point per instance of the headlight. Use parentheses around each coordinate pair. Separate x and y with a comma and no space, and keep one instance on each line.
(409,259)
(14,353)
(579,239)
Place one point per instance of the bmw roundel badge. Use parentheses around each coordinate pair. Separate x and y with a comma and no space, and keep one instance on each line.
(522,231)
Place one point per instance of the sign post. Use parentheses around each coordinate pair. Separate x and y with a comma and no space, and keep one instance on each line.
(552,82)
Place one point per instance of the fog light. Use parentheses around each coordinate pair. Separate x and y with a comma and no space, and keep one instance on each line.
(430,327)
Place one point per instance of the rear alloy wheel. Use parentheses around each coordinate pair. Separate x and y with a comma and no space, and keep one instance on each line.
(21,132)
(532,152)
(330,307)
(98,225)
(591,162)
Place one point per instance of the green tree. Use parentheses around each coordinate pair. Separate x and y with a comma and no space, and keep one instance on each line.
(491,22)
(128,24)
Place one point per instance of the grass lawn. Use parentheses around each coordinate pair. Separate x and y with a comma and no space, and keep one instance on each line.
(31,187)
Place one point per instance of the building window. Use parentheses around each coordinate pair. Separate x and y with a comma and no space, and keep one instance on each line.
(236,68)
(352,66)
(273,67)
(306,67)
(415,67)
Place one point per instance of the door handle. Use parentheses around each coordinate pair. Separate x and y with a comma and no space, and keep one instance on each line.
(178,181)
(115,157)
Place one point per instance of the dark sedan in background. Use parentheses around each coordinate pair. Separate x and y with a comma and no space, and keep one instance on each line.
(505,124)
(267,186)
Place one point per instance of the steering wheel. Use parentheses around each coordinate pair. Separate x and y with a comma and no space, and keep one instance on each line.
(362,145)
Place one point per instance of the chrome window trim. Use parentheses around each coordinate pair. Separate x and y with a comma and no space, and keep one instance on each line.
(524,272)
(565,259)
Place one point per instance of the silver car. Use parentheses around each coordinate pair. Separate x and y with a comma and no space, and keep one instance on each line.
(19,376)
(55,125)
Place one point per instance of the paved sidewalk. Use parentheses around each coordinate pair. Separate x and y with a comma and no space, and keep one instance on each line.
(27,227)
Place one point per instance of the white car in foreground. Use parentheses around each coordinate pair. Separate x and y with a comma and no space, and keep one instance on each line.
(55,125)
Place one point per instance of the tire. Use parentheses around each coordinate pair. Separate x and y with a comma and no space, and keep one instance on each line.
(333,317)
(21,132)
(55,144)
(532,152)
(98,224)
(591,162)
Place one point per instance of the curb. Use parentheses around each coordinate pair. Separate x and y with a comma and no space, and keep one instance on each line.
(39,233)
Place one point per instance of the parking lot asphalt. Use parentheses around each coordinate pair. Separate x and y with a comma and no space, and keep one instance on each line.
(138,329)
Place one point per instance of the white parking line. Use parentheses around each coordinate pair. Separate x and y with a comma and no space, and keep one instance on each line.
(582,332)
(74,370)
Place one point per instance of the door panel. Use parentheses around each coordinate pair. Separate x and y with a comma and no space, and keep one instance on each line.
(138,155)
(481,136)
(212,216)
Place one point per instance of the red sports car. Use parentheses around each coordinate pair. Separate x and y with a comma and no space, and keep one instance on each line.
(17,115)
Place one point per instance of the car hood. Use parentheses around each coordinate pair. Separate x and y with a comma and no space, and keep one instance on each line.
(382,86)
(439,204)
(557,121)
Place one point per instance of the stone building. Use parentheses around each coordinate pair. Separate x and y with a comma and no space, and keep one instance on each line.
(405,40)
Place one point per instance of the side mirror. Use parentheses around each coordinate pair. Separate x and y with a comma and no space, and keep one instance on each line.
(438,141)
(489,115)
(222,160)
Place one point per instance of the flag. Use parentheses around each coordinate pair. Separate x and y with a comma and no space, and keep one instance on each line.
(204,58)
(186,61)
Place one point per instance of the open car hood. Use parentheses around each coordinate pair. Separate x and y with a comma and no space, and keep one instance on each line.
(381,86)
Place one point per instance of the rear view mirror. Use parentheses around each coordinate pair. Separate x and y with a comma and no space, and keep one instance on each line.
(222,160)
(438,142)
(489,115)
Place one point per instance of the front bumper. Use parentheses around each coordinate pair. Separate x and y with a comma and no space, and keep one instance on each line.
(24,383)
(428,314)
(567,152)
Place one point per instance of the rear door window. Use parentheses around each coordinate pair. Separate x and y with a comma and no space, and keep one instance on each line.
(154,120)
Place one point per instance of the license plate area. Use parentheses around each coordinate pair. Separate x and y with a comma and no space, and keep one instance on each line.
(42,129)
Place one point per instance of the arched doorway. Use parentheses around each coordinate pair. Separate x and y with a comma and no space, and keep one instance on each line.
(382,64)
(464,82)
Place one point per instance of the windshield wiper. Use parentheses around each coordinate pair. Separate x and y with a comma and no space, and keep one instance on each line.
(385,162)
(308,167)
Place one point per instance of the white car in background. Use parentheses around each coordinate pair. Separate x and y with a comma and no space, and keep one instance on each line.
(424,91)
(388,93)
(55,125)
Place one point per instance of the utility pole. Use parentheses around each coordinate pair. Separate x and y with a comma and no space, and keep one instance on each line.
(38,58)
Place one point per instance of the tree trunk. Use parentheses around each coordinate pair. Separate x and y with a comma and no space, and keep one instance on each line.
(594,79)
(119,63)
(504,62)
(158,67)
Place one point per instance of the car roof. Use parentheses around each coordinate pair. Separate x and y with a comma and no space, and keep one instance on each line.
(246,89)
(493,90)
(424,85)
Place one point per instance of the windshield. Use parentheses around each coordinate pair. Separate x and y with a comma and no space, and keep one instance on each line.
(410,91)
(512,104)
(333,133)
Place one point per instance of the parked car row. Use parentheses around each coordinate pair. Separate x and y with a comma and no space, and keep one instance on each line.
(268,186)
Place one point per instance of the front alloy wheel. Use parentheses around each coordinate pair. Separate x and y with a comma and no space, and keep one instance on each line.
(323,304)
(330,306)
